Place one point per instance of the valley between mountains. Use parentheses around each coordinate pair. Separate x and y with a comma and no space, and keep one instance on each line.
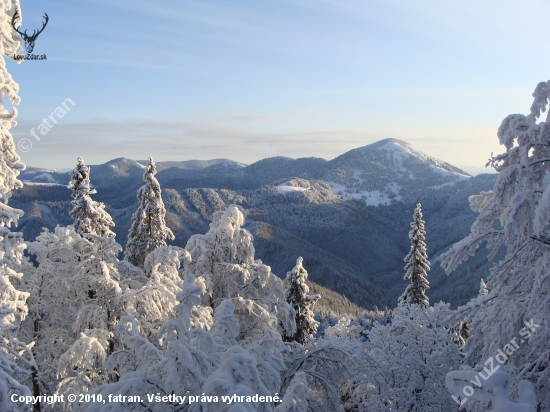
(348,217)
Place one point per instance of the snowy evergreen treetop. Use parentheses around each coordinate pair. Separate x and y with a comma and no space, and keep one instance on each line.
(90,217)
(80,180)
(417,264)
(296,295)
(149,230)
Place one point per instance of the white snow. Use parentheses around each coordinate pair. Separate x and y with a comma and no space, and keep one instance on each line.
(286,187)
(28,183)
(494,389)
(45,176)
(232,165)
(372,198)
(403,151)
(125,161)
(399,149)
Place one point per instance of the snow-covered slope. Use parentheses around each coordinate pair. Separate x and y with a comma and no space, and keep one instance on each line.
(387,170)
(34,175)
(194,164)
(312,207)
(41,178)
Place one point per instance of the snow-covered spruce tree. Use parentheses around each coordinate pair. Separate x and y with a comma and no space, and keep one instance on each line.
(89,216)
(16,360)
(190,361)
(296,295)
(417,266)
(101,299)
(224,257)
(515,215)
(149,230)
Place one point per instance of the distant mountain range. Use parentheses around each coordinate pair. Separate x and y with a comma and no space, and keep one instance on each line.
(348,217)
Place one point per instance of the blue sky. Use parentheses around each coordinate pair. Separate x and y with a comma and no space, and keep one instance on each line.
(246,80)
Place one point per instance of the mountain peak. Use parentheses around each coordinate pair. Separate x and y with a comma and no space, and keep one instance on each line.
(383,171)
(389,141)
(400,150)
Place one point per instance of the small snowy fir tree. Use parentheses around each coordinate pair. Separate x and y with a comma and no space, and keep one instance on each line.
(16,360)
(417,266)
(156,299)
(482,288)
(296,294)
(224,257)
(514,216)
(149,230)
(89,216)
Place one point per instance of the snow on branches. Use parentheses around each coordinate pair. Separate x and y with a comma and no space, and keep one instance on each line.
(10,45)
(417,266)
(89,216)
(482,287)
(149,230)
(295,399)
(494,389)
(515,215)
(234,354)
(404,363)
(79,297)
(296,294)
(16,360)
(224,257)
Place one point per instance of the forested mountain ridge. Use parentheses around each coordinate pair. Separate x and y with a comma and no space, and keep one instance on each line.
(347,217)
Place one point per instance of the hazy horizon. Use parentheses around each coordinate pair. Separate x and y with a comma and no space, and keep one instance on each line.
(246,81)
(469,169)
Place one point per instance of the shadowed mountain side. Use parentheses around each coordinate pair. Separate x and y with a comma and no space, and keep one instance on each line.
(352,230)
(448,219)
(279,249)
(44,206)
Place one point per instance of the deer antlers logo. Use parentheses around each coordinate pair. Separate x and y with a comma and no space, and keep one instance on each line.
(29,40)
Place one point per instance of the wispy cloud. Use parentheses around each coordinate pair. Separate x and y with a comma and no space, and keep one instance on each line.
(234,79)
(101,141)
